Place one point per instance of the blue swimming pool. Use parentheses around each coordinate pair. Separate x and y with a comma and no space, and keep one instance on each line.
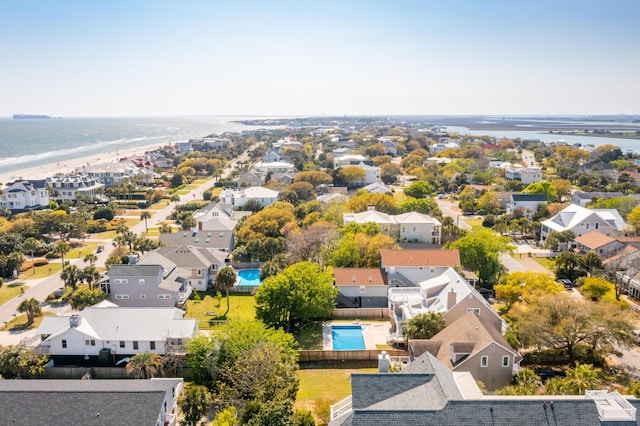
(249,278)
(347,337)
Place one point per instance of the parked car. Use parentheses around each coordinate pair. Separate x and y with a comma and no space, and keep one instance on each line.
(100,249)
(566,283)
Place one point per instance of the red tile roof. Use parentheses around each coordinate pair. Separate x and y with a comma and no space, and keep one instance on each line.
(420,257)
(594,239)
(359,276)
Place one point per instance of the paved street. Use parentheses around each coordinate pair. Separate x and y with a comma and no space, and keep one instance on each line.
(42,287)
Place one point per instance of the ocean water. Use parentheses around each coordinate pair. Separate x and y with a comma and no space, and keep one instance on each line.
(624,144)
(31,143)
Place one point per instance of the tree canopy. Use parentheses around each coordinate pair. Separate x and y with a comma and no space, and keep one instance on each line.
(299,293)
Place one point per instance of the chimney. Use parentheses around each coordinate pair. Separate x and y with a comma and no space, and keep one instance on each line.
(133,259)
(383,362)
(451,299)
(199,226)
(74,320)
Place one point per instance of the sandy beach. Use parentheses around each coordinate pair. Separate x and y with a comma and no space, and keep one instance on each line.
(65,166)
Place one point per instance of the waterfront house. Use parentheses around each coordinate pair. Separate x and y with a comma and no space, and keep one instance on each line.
(68,187)
(21,195)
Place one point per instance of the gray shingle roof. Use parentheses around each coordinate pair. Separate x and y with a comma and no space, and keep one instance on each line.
(529,197)
(82,402)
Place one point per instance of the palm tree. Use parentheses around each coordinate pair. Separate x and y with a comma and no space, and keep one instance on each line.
(144,216)
(90,275)
(164,228)
(71,276)
(60,249)
(31,245)
(424,326)
(31,307)
(175,198)
(224,280)
(91,258)
(144,365)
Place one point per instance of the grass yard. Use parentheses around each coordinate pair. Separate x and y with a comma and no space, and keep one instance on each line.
(19,323)
(9,291)
(322,387)
(548,263)
(309,335)
(81,251)
(475,224)
(128,221)
(41,271)
(241,308)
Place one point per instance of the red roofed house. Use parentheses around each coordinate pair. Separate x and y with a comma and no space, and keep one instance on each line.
(599,243)
(405,268)
(361,287)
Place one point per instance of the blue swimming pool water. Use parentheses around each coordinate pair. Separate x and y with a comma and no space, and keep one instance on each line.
(249,278)
(347,337)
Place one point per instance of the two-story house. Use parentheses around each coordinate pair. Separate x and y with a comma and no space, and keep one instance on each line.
(21,195)
(68,187)
(526,203)
(581,221)
(146,285)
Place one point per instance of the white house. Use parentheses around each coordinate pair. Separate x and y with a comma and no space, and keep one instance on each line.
(273,167)
(25,195)
(68,187)
(348,160)
(412,226)
(110,174)
(447,293)
(526,175)
(271,156)
(443,144)
(110,333)
(238,198)
(529,203)
(581,220)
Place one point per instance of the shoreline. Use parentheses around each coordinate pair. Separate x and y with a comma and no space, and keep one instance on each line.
(65,166)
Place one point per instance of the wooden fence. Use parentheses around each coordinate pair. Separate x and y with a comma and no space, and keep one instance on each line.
(99,373)
(329,356)
(360,313)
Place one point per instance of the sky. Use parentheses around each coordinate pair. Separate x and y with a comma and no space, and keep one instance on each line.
(298,57)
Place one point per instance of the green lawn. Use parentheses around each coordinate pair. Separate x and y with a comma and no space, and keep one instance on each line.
(81,251)
(319,388)
(548,263)
(159,206)
(309,335)
(241,308)
(9,291)
(20,322)
(41,271)
(475,224)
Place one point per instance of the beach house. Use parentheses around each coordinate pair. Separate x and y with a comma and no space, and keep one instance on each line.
(21,195)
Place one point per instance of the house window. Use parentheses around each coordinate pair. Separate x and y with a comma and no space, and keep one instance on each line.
(135,345)
(121,281)
(141,281)
(90,342)
(64,344)
(587,225)
(505,360)
(122,345)
(143,296)
(597,225)
(152,346)
(122,296)
(484,361)
(199,272)
(164,296)
(474,310)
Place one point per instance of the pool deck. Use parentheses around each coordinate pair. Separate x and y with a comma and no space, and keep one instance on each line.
(373,332)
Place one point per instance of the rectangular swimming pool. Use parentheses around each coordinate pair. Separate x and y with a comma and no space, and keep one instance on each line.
(347,337)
